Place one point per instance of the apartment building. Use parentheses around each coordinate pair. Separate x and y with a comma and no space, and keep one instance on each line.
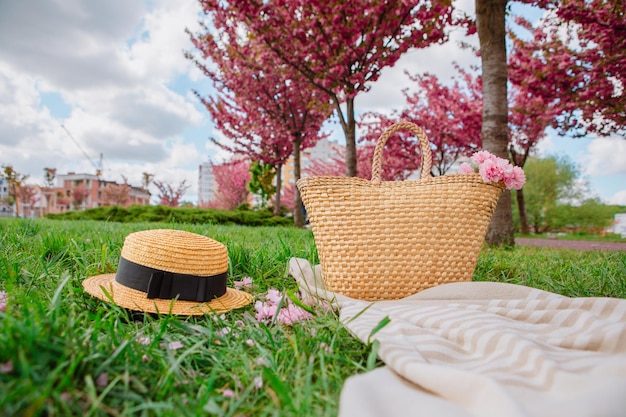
(83,191)
(207,185)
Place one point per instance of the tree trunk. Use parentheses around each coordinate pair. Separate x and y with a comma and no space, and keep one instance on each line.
(521,207)
(279,183)
(18,203)
(298,217)
(490,16)
(348,125)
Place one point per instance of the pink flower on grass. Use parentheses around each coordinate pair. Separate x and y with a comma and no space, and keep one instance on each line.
(289,313)
(175,345)
(245,283)
(292,313)
(228,393)
(274,296)
(3,300)
(7,367)
(143,340)
(264,311)
(102,380)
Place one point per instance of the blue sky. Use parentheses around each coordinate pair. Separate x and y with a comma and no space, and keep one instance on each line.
(113,73)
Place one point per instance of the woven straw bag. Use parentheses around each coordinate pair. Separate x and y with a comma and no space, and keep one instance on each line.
(381,240)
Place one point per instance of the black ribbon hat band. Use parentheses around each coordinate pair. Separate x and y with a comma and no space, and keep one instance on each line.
(157,283)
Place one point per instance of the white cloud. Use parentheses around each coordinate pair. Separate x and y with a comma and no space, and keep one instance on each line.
(69,43)
(606,156)
(159,50)
(618,198)
(386,93)
(115,64)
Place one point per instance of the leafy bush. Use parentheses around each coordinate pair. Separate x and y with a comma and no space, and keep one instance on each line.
(190,215)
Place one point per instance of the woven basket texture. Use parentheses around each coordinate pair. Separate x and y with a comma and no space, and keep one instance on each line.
(380,240)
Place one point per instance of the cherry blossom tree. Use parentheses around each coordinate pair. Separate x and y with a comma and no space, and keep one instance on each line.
(29,197)
(268,111)
(232,178)
(449,115)
(116,194)
(340,46)
(79,195)
(170,195)
(575,58)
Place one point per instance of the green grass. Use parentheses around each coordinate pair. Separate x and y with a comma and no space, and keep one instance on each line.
(75,355)
(188,215)
(587,236)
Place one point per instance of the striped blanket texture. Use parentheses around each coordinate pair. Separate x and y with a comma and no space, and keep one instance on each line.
(483,349)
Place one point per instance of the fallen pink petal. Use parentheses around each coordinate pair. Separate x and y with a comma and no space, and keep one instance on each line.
(3,300)
(143,340)
(7,367)
(228,393)
(223,332)
(175,345)
(102,380)
(244,283)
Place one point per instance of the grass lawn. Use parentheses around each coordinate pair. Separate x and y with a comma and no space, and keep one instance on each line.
(63,352)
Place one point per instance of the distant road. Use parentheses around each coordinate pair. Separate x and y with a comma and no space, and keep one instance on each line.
(572,244)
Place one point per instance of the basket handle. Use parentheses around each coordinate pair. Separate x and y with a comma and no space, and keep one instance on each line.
(427,157)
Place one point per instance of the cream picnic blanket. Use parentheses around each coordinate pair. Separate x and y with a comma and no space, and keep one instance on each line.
(483,349)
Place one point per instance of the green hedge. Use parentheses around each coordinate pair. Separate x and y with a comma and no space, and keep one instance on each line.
(190,215)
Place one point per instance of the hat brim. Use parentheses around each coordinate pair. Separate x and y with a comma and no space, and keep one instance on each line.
(106,288)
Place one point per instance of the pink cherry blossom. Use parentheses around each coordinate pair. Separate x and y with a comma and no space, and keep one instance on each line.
(482,156)
(102,380)
(143,340)
(274,296)
(7,367)
(495,169)
(466,168)
(175,345)
(3,300)
(244,283)
(264,311)
(515,179)
(292,313)
(288,314)
(228,393)
(490,171)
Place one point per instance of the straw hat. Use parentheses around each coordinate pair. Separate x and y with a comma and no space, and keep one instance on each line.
(170,271)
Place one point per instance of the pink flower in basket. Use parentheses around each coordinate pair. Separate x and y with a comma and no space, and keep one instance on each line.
(494,169)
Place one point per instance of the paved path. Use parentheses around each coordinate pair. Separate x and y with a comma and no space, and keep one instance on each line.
(572,244)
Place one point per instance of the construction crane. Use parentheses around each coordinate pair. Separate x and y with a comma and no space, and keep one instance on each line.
(98,167)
